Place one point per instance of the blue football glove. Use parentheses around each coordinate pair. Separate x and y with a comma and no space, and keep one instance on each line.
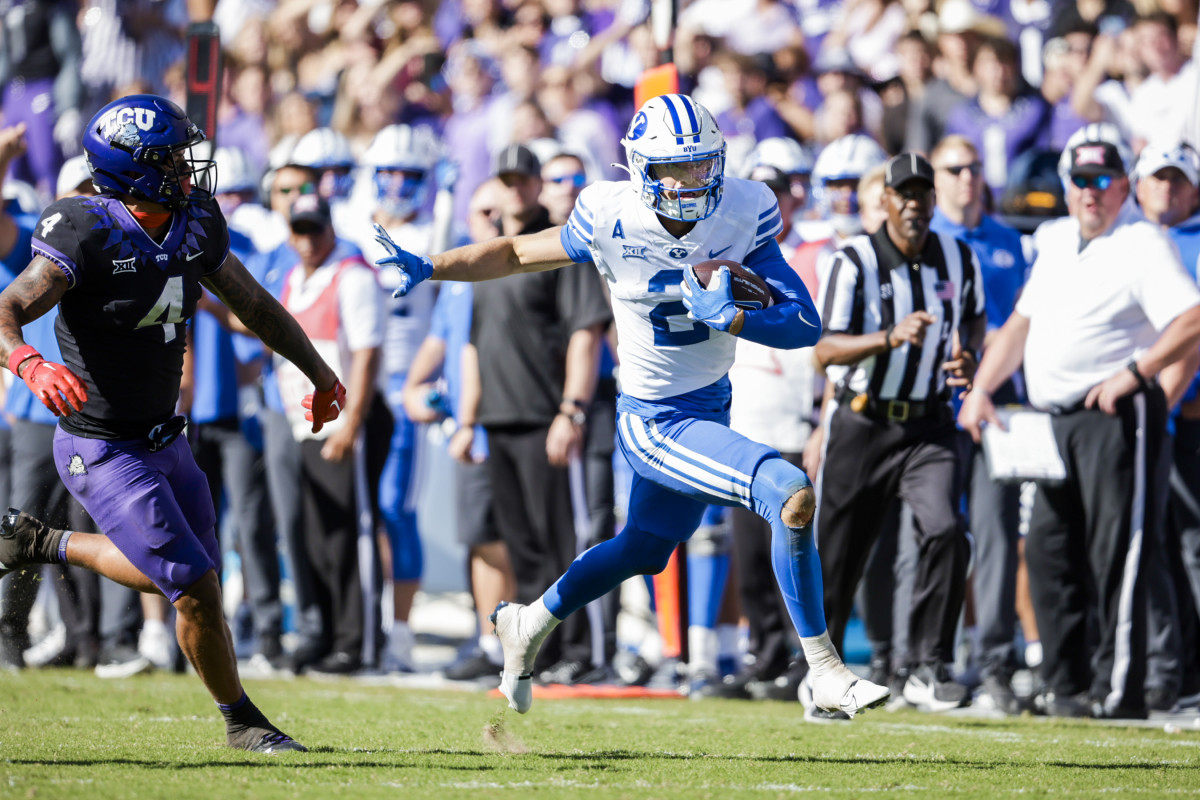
(712,306)
(413,268)
(445,175)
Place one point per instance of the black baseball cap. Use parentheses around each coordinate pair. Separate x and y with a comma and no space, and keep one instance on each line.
(519,159)
(907,167)
(311,209)
(1096,158)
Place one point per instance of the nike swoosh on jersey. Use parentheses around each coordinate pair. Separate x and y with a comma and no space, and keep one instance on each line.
(800,314)
(715,253)
(193,256)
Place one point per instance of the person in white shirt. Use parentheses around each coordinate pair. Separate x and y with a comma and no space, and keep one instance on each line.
(1107,308)
(1160,105)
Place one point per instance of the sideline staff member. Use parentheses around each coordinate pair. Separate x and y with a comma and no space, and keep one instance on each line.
(903,311)
(1107,307)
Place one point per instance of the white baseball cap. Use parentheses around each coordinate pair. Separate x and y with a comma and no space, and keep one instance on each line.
(1181,157)
(74,171)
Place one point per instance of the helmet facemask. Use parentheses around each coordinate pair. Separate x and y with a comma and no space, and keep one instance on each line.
(401,192)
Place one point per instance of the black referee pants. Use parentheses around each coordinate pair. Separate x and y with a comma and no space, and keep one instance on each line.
(867,464)
(1087,550)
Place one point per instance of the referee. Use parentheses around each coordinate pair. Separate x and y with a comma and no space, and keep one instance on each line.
(903,312)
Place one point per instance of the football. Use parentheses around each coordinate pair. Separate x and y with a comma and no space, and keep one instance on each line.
(749,290)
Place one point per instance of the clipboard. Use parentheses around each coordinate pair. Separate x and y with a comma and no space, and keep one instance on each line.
(1026,451)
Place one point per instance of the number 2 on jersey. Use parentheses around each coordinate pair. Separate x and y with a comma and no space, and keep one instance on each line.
(168,309)
(661,314)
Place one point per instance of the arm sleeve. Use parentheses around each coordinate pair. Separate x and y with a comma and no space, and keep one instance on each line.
(837,296)
(793,320)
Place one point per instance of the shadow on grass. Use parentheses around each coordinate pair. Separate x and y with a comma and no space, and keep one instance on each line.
(599,757)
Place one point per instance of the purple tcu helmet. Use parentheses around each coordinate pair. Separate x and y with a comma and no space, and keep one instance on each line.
(141,145)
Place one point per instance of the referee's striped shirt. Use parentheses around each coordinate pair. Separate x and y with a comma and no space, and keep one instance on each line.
(872,285)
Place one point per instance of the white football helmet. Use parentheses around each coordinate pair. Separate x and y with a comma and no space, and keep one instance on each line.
(234,173)
(673,136)
(786,155)
(403,159)
(328,152)
(844,159)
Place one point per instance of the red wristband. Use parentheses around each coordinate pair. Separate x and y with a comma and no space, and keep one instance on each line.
(19,355)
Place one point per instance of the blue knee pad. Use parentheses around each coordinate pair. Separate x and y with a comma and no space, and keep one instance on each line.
(602,568)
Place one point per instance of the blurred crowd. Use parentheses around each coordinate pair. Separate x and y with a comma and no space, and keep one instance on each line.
(457,121)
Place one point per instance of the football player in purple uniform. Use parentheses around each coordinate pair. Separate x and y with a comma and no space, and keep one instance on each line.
(126,269)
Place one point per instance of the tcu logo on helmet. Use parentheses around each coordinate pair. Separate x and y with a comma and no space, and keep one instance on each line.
(121,121)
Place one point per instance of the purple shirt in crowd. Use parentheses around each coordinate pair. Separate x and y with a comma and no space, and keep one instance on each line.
(1000,141)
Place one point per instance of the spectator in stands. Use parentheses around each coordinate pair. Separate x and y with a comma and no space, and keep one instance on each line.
(959,28)
(1161,103)
(1000,121)
(40,54)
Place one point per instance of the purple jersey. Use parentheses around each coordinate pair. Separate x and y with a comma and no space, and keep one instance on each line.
(1000,140)
(121,322)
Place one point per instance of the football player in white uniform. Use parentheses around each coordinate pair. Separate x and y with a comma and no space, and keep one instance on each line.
(676,342)
(401,161)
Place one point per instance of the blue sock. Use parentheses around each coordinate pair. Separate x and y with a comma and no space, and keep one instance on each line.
(707,576)
(600,569)
(794,556)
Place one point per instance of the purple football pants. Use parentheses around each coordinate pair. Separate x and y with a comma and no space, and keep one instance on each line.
(155,507)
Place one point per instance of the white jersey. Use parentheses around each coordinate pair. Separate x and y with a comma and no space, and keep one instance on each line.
(662,352)
(408,317)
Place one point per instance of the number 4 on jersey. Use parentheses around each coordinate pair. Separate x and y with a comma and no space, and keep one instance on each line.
(168,309)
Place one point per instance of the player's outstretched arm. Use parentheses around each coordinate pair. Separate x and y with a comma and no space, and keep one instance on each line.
(269,320)
(484,261)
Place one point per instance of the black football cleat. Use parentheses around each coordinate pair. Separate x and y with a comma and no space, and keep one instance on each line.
(26,541)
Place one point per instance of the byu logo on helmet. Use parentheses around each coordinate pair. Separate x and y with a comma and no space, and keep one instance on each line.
(638,126)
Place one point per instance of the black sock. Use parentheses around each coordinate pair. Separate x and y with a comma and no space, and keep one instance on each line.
(244,723)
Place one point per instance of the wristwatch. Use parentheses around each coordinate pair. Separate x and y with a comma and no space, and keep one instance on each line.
(574,410)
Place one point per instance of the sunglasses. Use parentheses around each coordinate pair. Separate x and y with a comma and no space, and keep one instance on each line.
(576,179)
(974,167)
(1100,182)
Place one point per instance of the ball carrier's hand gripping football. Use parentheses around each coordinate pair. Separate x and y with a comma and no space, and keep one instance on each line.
(59,389)
(713,305)
(413,268)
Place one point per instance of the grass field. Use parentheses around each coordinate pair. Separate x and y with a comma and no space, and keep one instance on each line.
(70,735)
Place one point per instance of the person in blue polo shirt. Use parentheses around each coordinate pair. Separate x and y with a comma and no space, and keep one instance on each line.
(1168,191)
(994,507)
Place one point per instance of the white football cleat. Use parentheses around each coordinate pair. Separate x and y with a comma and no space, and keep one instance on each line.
(521,642)
(843,691)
